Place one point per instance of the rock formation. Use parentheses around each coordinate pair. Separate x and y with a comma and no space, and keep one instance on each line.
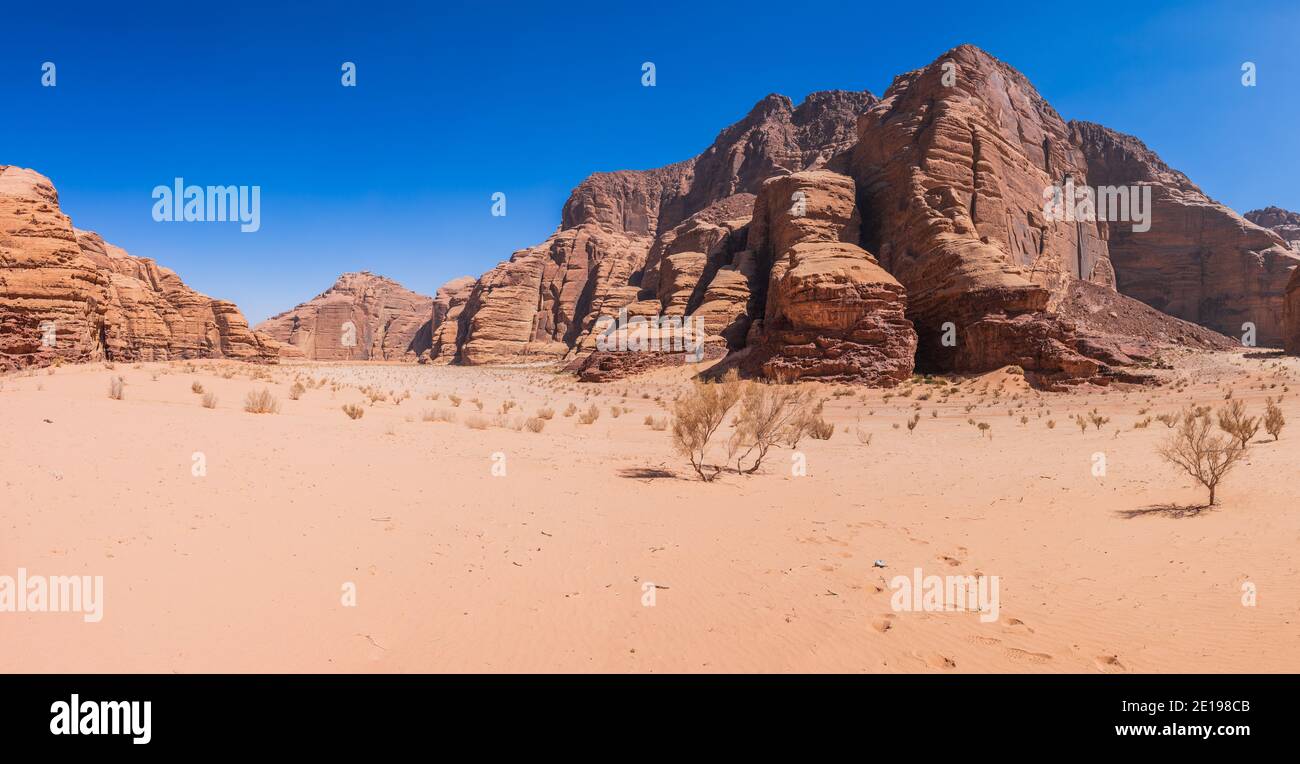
(65,293)
(832,313)
(448,303)
(641,237)
(951,167)
(1200,261)
(1284,223)
(362,317)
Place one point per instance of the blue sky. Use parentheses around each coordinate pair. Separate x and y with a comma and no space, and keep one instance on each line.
(458,100)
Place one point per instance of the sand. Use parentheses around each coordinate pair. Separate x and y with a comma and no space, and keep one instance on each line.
(547,567)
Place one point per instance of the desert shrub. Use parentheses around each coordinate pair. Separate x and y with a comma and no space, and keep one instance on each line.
(455,400)
(477,422)
(1233,420)
(115,386)
(1097,419)
(209,401)
(438,415)
(534,424)
(1273,419)
(1081,422)
(697,415)
(1201,455)
(570,410)
(196,387)
(615,411)
(1168,420)
(590,415)
(296,391)
(767,414)
(546,413)
(354,410)
(916,418)
(261,402)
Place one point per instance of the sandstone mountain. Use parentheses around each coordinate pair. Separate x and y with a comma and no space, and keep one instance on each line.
(1200,261)
(362,317)
(850,237)
(643,240)
(65,293)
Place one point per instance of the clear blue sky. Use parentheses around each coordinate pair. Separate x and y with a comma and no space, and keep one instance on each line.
(457,101)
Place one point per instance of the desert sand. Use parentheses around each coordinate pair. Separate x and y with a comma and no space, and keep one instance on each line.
(545,568)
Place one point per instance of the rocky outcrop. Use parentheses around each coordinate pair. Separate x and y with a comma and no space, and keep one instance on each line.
(1291,315)
(1199,261)
(951,167)
(1284,223)
(618,229)
(448,303)
(362,317)
(832,313)
(65,293)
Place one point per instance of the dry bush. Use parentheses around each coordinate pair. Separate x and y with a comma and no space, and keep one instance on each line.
(916,418)
(1233,420)
(546,413)
(1168,420)
(438,415)
(477,422)
(261,402)
(1205,457)
(534,424)
(209,400)
(196,388)
(767,414)
(455,400)
(1273,419)
(570,410)
(658,425)
(296,391)
(354,410)
(1097,419)
(590,415)
(115,385)
(697,415)
(810,423)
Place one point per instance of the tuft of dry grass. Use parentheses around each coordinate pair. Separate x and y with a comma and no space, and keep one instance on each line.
(196,388)
(115,386)
(261,402)
(296,391)
(438,415)
(590,415)
(476,422)
(354,410)
(209,400)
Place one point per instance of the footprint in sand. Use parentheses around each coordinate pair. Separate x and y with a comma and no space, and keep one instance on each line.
(1109,664)
(884,623)
(1024,655)
(940,662)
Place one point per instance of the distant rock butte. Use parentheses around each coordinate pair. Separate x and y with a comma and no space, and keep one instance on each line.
(1200,261)
(1284,223)
(362,317)
(100,302)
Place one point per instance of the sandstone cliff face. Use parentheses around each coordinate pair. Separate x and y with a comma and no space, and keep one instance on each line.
(101,303)
(618,228)
(951,167)
(832,313)
(362,317)
(448,303)
(1200,261)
